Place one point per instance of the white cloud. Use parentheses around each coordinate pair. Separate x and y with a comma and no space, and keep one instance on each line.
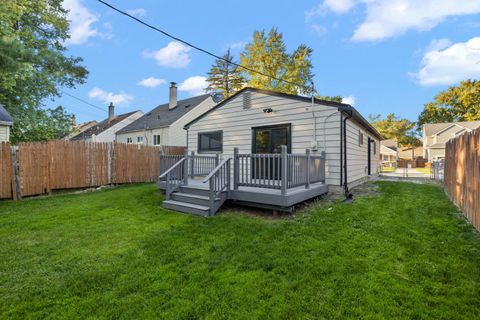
(107,97)
(82,22)
(337,6)
(390,18)
(438,44)
(194,85)
(151,82)
(174,55)
(138,12)
(450,65)
(319,29)
(349,100)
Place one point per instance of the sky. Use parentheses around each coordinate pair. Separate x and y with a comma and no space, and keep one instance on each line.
(382,56)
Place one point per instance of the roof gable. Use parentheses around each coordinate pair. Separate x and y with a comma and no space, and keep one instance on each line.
(102,126)
(5,117)
(340,106)
(163,116)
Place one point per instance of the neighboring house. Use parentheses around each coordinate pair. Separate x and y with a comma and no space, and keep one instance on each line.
(105,130)
(406,153)
(435,136)
(6,124)
(260,121)
(388,152)
(164,124)
(79,128)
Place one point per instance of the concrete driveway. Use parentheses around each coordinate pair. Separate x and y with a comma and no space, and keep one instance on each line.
(406,173)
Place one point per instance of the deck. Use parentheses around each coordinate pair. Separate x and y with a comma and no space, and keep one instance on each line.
(200,184)
(263,197)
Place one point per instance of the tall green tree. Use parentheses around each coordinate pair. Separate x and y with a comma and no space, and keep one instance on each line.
(393,127)
(457,103)
(338,99)
(34,64)
(225,77)
(268,54)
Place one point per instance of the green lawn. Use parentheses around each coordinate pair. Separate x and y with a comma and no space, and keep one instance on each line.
(405,254)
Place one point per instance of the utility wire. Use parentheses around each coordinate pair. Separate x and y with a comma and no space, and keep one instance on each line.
(196,47)
(81,100)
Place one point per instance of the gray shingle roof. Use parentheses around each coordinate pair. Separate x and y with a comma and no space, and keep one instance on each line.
(5,117)
(161,116)
(102,126)
(433,128)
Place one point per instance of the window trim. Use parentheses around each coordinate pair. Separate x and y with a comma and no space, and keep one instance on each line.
(159,139)
(360,137)
(208,151)
(129,140)
(139,139)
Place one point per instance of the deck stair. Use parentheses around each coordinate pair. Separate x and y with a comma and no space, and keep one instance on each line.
(194,201)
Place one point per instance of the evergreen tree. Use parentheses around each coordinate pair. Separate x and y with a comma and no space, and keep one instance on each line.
(268,54)
(225,77)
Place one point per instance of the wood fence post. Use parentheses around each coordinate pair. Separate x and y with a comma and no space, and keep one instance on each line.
(284,168)
(16,175)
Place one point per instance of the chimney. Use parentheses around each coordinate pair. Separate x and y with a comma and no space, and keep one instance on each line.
(111,111)
(173,96)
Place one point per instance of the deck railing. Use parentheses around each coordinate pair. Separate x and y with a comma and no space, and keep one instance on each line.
(278,171)
(175,177)
(218,181)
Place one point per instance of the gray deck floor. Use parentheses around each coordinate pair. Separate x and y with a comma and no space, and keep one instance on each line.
(266,196)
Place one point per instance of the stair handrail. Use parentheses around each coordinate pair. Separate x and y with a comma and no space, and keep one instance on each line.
(219,180)
(172,168)
(217,168)
(169,186)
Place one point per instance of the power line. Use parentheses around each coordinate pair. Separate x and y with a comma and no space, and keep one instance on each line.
(81,100)
(196,47)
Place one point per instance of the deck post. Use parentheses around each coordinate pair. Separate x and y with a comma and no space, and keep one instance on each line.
(236,168)
(185,168)
(162,162)
(322,165)
(192,164)
(284,169)
(307,169)
(229,177)
(217,159)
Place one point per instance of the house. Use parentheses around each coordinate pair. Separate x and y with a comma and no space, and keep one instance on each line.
(406,153)
(79,128)
(164,124)
(388,152)
(105,130)
(435,135)
(270,150)
(6,124)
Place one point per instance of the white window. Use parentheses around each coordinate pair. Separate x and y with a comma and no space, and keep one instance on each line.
(156,140)
(360,137)
(129,140)
(139,139)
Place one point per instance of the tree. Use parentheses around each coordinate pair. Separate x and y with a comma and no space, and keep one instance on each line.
(268,54)
(457,103)
(338,99)
(33,64)
(392,127)
(225,77)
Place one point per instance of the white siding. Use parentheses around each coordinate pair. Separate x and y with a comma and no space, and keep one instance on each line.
(177,136)
(173,135)
(237,123)
(4,133)
(109,134)
(357,155)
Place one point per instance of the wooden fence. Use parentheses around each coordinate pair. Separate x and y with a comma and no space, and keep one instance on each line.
(38,168)
(462,174)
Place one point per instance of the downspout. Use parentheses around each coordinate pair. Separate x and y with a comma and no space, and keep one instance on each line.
(348,195)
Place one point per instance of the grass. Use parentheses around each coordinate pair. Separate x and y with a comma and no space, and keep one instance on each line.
(424,170)
(404,254)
